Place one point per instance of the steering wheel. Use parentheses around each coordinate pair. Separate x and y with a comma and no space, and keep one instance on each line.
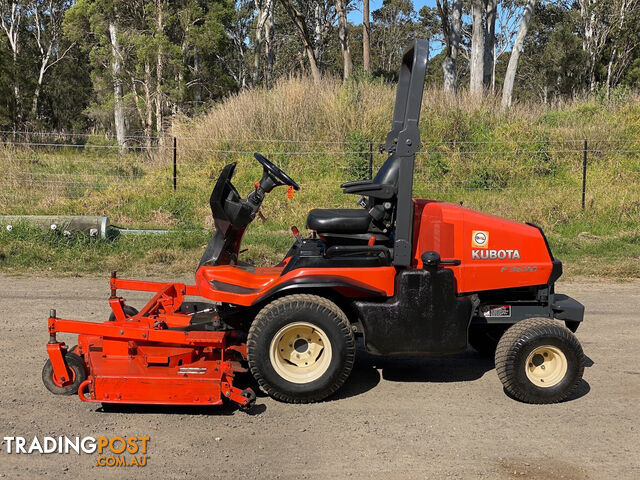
(276,171)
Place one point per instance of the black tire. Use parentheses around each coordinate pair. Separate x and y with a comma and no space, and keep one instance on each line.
(288,311)
(520,341)
(128,310)
(75,363)
(484,338)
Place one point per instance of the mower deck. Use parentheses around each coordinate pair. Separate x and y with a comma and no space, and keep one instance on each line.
(153,357)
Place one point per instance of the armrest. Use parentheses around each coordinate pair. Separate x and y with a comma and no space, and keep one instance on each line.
(375,190)
(356,184)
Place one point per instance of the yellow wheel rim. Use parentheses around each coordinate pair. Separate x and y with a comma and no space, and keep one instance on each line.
(300,352)
(546,366)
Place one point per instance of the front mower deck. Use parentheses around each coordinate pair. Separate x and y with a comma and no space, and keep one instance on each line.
(156,356)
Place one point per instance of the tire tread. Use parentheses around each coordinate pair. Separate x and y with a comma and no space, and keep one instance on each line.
(298,301)
(515,338)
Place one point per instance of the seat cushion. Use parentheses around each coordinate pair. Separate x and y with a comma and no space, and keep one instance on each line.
(338,220)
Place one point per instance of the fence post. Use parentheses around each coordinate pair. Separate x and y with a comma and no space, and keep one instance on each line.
(584,173)
(370,159)
(175,163)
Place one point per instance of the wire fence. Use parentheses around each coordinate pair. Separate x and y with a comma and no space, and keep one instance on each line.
(62,173)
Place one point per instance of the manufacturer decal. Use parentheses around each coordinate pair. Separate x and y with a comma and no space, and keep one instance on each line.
(479,239)
(495,255)
(519,269)
(495,310)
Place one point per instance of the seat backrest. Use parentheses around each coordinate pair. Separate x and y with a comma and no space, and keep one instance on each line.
(388,173)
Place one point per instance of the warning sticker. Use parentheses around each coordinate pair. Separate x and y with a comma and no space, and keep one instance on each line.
(495,310)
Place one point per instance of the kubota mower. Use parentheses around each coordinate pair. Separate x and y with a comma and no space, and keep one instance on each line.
(410,276)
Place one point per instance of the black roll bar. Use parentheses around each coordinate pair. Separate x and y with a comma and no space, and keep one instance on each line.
(403,141)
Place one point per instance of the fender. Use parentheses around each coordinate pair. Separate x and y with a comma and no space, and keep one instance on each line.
(349,285)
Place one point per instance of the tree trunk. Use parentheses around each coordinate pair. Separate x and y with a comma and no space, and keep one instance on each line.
(148,102)
(489,41)
(477,47)
(303,33)
(17,113)
(268,43)
(510,76)
(116,71)
(256,56)
(493,70)
(343,35)
(366,43)
(12,30)
(263,13)
(159,68)
(451,43)
(36,94)
(456,29)
(197,89)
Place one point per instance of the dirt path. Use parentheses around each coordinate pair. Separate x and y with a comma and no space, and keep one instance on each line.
(403,418)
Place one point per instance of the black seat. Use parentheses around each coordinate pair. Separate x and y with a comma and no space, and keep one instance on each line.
(338,220)
(353,221)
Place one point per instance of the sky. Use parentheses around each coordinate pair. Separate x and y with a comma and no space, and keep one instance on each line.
(355,16)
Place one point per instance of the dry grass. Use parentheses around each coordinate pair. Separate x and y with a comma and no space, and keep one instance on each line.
(524,164)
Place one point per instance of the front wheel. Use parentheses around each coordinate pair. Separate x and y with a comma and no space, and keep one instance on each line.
(539,361)
(301,348)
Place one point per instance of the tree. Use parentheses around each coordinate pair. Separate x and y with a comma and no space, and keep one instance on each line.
(595,32)
(264,14)
(625,39)
(506,18)
(451,22)
(343,34)
(46,17)
(10,18)
(491,8)
(555,65)
(477,47)
(394,26)
(509,78)
(366,32)
(303,32)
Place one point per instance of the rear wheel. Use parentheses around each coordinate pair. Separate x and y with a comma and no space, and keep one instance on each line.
(539,361)
(78,375)
(301,348)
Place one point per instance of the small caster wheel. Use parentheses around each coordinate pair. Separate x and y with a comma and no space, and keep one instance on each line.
(78,375)
(251,395)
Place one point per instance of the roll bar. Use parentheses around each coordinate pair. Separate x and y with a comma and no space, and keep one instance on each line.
(403,141)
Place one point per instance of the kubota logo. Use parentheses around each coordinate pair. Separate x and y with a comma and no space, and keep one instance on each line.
(479,239)
(495,254)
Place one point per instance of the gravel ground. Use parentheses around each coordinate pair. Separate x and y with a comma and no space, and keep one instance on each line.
(401,418)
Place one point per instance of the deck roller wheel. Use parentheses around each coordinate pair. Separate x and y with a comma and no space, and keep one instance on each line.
(539,360)
(78,375)
(128,310)
(301,348)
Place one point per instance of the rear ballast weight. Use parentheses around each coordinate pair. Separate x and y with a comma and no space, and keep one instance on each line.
(410,276)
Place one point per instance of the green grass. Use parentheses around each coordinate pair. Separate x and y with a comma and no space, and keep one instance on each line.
(525,165)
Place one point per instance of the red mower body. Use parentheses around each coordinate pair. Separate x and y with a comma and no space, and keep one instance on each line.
(494,253)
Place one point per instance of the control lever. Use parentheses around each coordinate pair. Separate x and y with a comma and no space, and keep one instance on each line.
(432,259)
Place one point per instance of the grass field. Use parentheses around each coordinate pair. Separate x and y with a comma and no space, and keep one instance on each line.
(525,164)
